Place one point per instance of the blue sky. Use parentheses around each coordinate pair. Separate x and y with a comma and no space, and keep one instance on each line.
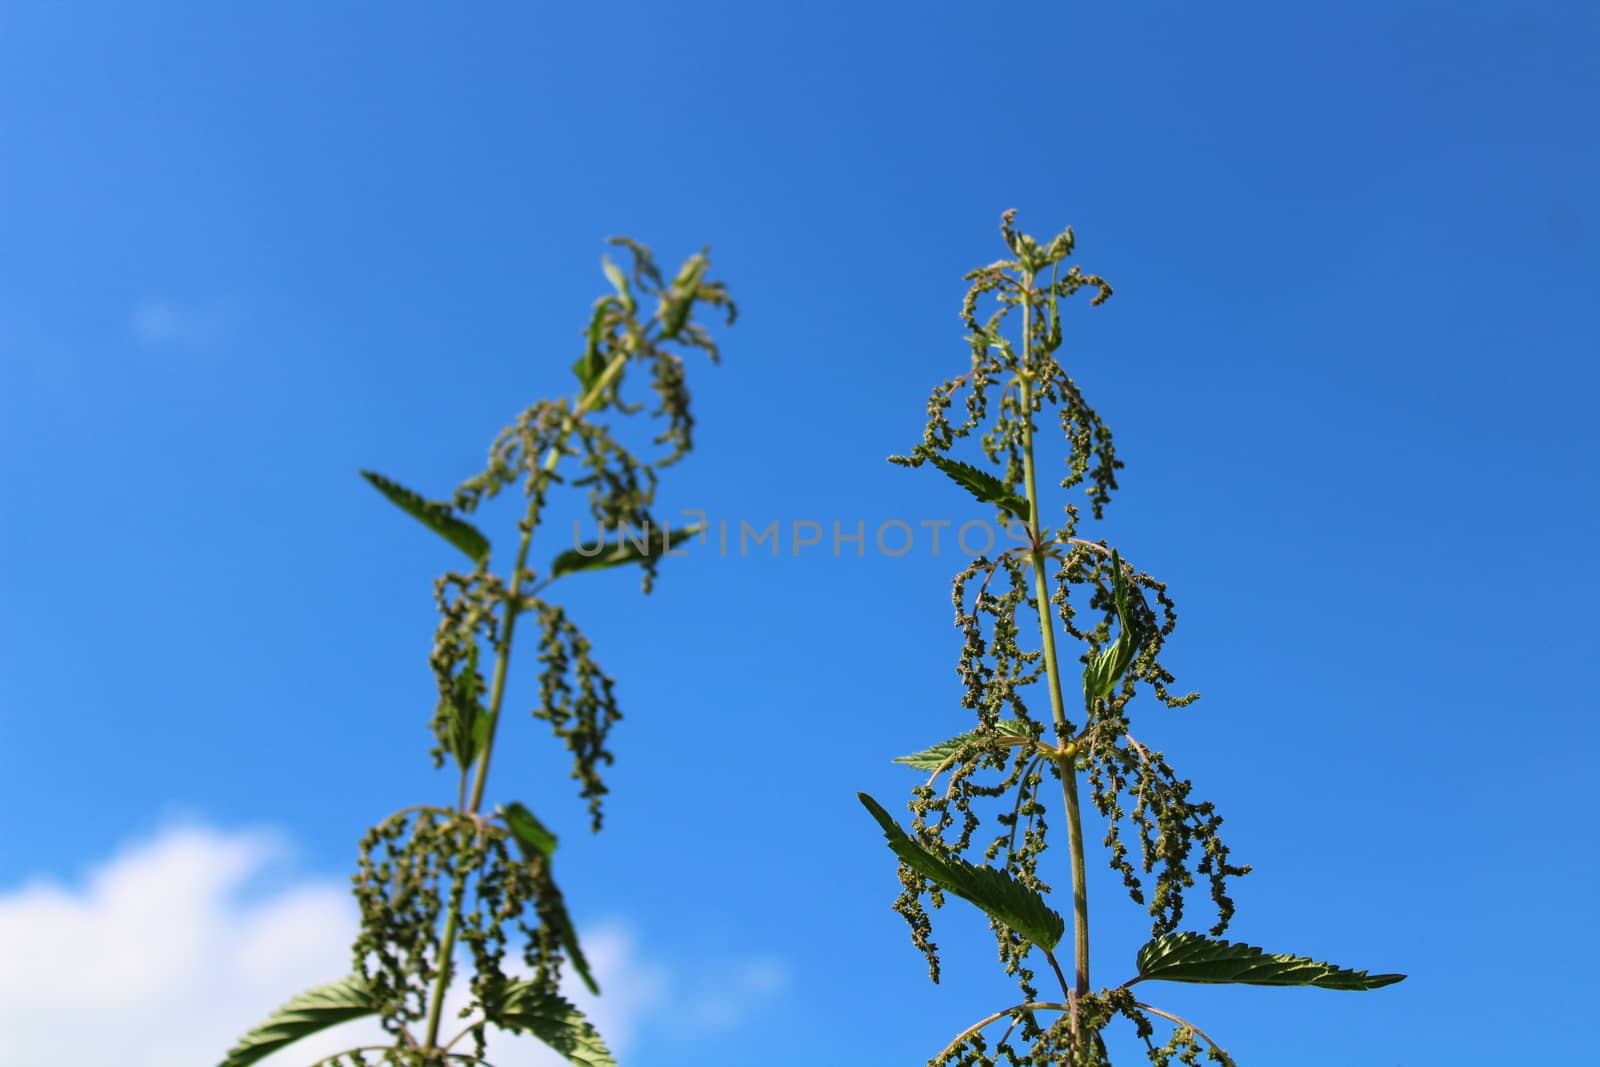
(1350,364)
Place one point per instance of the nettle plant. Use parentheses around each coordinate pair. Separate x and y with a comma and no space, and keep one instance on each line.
(435,877)
(1060,585)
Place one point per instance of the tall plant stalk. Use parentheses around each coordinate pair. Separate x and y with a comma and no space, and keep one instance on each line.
(1007,757)
(432,878)
(502,659)
(1064,762)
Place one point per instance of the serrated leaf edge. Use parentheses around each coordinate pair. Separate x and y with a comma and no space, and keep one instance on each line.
(937,756)
(299,1015)
(985,487)
(1191,950)
(436,516)
(973,883)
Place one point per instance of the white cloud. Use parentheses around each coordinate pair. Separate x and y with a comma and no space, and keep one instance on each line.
(160,322)
(163,956)
(723,998)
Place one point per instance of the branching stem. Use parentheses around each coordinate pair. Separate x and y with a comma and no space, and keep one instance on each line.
(1015,1009)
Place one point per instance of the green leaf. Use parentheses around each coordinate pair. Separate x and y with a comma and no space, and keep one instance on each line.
(620,281)
(1053,338)
(554,1021)
(552,909)
(993,338)
(593,556)
(679,301)
(931,759)
(435,516)
(591,364)
(1190,957)
(530,833)
(316,1009)
(480,729)
(1107,666)
(983,485)
(1028,253)
(467,720)
(991,889)
(536,840)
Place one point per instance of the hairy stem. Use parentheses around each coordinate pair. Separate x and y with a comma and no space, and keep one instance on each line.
(1066,760)
(502,661)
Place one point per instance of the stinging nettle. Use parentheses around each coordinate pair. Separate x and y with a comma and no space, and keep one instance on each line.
(434,878)
(1058,584)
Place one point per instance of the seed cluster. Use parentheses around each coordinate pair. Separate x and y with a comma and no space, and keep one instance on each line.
(418,865)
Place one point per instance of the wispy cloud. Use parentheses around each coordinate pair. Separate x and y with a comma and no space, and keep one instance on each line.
(726,996)
(163,956)
(160,322)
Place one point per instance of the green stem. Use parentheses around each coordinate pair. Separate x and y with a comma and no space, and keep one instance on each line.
(1066,761)
(502,661)
(513,599)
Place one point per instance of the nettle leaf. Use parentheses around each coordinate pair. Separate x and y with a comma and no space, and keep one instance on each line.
(529,832)
(931,759)
(983,485)
(991,889)
(1191,957)
(553,909)
(591,364)
(594,555)
(996,340)
(467,718)
(677,303)
(536,840)
(550,1018)
(1107,666)
(435,516)
(480,730)
(620,282)
(316,1009)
